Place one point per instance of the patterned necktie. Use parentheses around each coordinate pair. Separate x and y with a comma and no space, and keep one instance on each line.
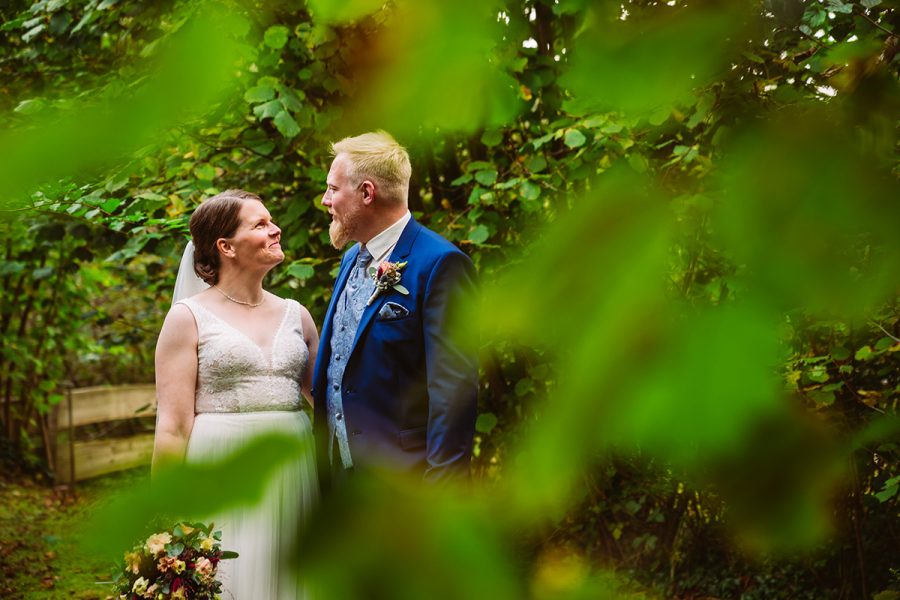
(362,262)
(359,279)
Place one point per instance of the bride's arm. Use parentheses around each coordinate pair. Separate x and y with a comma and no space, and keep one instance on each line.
(311,336)
(176,379)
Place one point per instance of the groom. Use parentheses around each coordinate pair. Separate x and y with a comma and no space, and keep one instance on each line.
(392,386)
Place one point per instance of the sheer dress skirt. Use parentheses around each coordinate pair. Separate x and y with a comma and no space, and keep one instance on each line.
(264,534)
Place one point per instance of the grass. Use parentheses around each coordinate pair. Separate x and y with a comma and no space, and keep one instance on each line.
(40,554)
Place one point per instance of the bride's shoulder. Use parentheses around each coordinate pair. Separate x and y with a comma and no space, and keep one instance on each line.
(284,302)
(179,328)
(180,315)
(299,311)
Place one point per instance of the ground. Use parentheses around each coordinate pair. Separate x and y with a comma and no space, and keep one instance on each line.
(40,554)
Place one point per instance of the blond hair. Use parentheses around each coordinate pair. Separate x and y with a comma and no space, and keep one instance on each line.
(378,157)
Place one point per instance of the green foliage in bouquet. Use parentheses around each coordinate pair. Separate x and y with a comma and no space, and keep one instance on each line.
(178,563)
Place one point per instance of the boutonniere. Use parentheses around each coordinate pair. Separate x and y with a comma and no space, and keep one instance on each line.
(386,276)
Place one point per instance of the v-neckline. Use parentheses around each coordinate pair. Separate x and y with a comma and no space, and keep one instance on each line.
(270,358)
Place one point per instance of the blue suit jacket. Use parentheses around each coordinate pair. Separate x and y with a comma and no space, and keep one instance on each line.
(409,389)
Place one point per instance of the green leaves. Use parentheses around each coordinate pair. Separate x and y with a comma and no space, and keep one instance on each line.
(205,172)
(479,234)
(259,93)
(276,36)
(267,110)
(486,422)
(486,177)
(184,491)
(816,222)
(665,305)
(280,109)
(574,139)
(30,107)
(889,490)
(286,124)
(492,137)
(622,64)
(440,72)
(339,11)
(300,270)
(530,190)
(839,6)
(198,63)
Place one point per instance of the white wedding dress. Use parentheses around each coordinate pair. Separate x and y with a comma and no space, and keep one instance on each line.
(242,392)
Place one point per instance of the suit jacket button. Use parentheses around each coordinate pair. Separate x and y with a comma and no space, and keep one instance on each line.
(356,432)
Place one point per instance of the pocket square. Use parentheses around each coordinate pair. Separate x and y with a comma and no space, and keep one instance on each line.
(392,311)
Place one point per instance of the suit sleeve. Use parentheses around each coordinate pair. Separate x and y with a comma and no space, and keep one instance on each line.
(451,363)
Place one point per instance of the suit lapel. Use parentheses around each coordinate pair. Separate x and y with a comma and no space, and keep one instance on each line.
(401,252)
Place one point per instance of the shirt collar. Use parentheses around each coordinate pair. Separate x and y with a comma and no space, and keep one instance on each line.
(381,245)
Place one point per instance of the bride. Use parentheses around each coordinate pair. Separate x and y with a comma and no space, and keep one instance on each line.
(231,363)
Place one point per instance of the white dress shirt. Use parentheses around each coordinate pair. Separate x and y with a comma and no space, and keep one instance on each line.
(381,245)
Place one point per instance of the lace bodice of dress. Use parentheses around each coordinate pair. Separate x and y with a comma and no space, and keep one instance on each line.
(235,375)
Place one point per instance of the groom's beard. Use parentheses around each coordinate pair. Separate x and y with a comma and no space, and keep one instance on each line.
(342,231)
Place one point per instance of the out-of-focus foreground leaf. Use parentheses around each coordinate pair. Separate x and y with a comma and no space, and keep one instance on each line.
(810,216)
(645,62)
(192,491)
(192,74)
(419,541)
(432,67)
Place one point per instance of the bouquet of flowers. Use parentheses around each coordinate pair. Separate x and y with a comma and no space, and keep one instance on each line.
(179,563)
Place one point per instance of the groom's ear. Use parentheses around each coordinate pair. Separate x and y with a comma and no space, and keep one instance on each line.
(368,191)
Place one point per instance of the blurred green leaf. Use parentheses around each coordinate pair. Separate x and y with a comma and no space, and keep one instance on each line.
(864,353)
(622,64)
(276,36)
(268,109)
(338,11)
(818,374)
(29,107)
(197,62)
(574,138)
(286,124)
(487,177)
(537,163)
(300,271)
(182,493)
(638,163)
(485,422)
(259,93)
(816,223)
(529,190)
(492,137)
(436,50)
(479,234)
(205,172)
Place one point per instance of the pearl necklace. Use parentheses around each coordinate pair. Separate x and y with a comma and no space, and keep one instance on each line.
(236,301)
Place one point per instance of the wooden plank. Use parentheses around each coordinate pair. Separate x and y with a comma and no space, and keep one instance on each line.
(107,403)
(100,457)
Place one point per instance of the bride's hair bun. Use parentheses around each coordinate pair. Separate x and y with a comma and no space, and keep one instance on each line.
(217,217)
